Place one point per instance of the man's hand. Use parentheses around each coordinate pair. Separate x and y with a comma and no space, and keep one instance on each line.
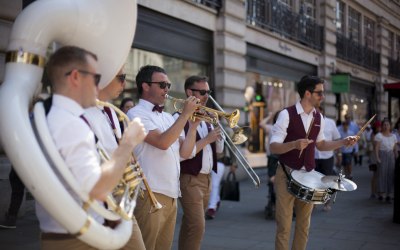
(215,134)
(301,144)
(190,106)
(134,134)
(350,140)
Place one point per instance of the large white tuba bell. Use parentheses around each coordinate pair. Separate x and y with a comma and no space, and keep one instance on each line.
(104,27)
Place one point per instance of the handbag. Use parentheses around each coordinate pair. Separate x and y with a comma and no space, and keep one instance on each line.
(230,188)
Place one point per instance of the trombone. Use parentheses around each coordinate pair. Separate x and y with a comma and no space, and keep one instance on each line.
(240,133)
(135,164)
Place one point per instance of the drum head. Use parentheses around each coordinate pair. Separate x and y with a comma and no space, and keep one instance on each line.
(310,179)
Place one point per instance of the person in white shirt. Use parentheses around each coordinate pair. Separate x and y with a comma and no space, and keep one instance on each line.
(106,126)
(324,160)
(195,177)
(74,75)
(159,155)
(296,151)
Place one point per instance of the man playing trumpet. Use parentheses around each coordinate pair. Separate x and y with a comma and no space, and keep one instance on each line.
(195,175)
(159,155)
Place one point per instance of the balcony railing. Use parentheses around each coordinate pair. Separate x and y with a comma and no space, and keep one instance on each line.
(394,67)
(274,16)
(349,50)
(214,4)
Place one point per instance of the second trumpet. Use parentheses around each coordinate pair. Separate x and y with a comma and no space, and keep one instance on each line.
(208,114)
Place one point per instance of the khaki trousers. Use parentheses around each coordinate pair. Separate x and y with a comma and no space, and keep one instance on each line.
(285,202)
(66,241)
(194,201)
(157,228)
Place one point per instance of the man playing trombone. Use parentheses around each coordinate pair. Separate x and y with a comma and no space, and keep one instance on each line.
(160,155)
(195,175)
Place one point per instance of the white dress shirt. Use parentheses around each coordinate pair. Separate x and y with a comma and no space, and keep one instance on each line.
(161,167)
(331,133)
(207,161)
(279,131)
(101,126)
(76,143)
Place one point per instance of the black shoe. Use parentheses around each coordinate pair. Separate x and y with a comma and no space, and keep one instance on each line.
(9,222)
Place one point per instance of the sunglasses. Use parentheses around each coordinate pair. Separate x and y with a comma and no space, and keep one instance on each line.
(121,77)
(319,93)
(96,77)
(202,91)
(162,85)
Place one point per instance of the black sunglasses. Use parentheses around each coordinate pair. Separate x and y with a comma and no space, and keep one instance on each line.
(162,85)
(121,77)
(319,93)
(202,91)
(96,77)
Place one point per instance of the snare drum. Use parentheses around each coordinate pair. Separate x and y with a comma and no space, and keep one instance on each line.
(307,186)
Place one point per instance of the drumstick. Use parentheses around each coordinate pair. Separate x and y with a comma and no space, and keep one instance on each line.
(308,133)
(364,127)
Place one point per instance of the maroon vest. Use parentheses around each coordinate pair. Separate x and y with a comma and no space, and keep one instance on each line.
(193,166)
(296,131)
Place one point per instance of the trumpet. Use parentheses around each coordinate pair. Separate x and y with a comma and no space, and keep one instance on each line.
(239,135)
(133,174)
(203,113)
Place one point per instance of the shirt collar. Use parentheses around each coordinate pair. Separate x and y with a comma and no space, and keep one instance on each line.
(68,104)
(300,109)
(146,104)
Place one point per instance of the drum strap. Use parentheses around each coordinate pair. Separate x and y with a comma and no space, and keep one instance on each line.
(284,170)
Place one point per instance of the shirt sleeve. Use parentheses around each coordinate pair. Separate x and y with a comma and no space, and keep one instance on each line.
(80,154)
(279,130)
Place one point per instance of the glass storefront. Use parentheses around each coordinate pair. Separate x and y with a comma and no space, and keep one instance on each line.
(278,93)
(177,69)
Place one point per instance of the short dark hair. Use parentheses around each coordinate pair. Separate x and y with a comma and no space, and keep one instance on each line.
(124,101)
(193,79)
(308,83)
(65,59)
(145,74)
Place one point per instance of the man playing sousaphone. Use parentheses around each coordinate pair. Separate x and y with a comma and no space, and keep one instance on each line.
(74,76)
(296,133)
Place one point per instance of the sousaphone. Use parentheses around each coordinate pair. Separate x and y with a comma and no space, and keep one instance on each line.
(104,27)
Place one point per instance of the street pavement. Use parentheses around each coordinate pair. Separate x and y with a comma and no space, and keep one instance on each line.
(355,221)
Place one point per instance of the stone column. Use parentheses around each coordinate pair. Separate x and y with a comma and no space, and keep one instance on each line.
(383,49)
(230,55)
(327,60)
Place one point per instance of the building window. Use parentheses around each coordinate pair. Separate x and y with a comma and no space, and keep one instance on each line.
(397,52)
(369,33)
(391,45)
(340,17)
(177,69)
(354,25)
(287,3)
(309,8)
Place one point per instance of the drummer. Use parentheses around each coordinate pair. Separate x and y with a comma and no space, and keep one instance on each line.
(296,148)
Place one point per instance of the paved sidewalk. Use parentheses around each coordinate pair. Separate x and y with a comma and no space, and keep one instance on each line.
(355,222)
